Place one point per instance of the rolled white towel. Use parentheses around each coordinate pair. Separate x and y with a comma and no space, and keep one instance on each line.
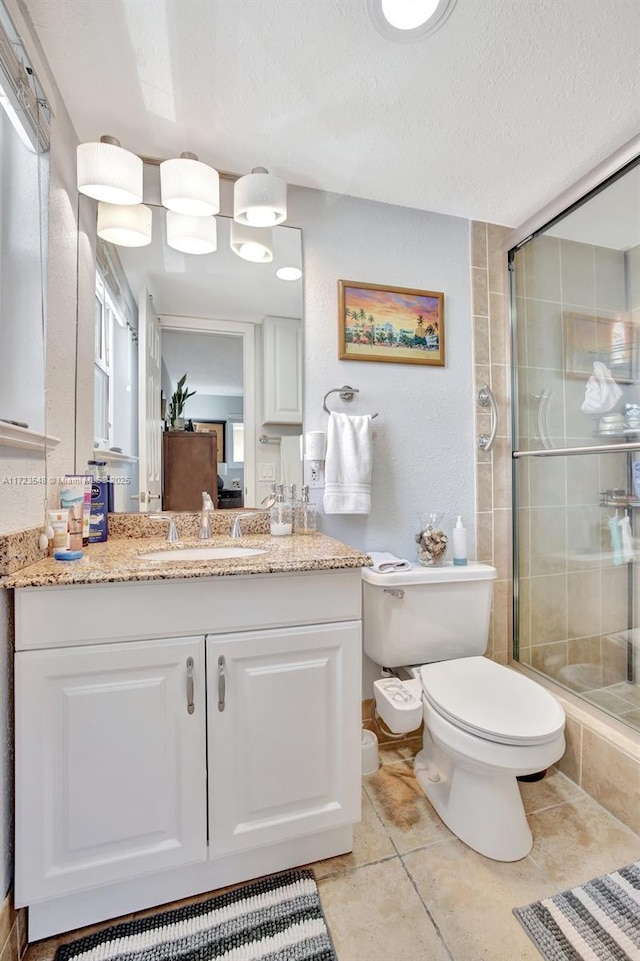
(386,563)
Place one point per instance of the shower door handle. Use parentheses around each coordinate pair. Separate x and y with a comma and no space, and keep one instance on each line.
(486,398)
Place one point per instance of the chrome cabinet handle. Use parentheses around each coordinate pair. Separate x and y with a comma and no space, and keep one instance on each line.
(486,398)
(190,687)
(221,683)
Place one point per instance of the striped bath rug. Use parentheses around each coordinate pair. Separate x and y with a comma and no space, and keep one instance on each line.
(597,921)
(276,919)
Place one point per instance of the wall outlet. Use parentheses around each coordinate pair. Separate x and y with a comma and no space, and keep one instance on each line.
(314,474)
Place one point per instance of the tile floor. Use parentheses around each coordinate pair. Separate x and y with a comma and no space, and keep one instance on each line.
(410,890)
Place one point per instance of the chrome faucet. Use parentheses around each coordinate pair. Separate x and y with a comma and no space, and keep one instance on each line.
(172,530)
(236,528)
(205,523)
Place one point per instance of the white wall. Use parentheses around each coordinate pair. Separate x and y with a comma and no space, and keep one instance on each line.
(423,436)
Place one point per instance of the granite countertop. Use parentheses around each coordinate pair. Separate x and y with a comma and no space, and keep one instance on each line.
(120,559)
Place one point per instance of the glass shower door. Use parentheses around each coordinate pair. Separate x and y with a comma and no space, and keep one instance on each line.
(575,300)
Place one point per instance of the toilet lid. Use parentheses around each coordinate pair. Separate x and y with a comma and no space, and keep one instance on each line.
(492,701)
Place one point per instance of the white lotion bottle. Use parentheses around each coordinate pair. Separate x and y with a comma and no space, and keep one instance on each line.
(459,544)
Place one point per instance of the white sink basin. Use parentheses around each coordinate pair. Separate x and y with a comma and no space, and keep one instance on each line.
(201,554)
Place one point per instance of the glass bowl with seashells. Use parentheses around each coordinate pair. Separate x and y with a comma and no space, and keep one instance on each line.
(431,539)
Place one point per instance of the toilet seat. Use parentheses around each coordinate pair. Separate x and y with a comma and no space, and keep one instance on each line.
(491,701)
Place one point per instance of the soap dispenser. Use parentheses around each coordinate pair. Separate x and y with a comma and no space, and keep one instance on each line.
(306,516)
(459,543)
(280,515)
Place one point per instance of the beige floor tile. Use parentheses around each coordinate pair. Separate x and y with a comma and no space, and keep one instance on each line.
(608,701)
(371,843)
(580,840)
(403,808)
(628,692)
(375,914)
(554,789)
(390,753)
(471,900)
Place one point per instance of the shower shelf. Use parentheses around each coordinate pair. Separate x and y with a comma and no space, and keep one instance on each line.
(632,502)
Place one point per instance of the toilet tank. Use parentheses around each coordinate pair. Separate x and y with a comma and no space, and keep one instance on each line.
(426,613)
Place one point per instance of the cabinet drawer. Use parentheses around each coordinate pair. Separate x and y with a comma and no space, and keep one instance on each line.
(49,617)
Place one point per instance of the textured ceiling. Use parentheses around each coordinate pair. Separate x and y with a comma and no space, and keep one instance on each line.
(507,104)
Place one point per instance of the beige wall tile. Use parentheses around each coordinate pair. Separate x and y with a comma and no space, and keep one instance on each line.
(614,600)
(500,616)
(524,612)
(502,543)
(614,659)
(484,487)
(502,473)
(499,328)
(481,354)
(570,762)
(544,335)
(583,480)
(479,293)
(547,481)
(612,778)
(550,658)
(583,610)
(497,257)
(484,538)
(611,291)
(542,269)
(500,385)
(478,244)
(548,540)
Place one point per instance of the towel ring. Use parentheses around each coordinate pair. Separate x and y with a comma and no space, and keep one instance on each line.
(346,393)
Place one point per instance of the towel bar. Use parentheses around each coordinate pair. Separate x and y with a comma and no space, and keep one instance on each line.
(346,393)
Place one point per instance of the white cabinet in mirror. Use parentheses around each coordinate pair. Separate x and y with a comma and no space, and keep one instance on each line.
(159,314)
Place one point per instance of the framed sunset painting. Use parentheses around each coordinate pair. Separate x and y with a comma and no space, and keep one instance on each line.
(395,325)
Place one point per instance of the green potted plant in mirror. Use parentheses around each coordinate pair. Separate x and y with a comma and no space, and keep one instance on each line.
(178,399)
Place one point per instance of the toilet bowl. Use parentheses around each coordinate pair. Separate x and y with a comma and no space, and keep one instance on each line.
(484,724)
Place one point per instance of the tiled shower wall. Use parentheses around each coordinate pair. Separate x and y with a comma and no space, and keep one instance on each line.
(602,756)
(491,366)
(571,303)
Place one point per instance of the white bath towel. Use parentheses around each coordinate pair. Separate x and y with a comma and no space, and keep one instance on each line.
(386,563)
(347,480)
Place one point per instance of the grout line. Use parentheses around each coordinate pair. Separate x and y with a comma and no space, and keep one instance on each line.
(427,911)
(356,867)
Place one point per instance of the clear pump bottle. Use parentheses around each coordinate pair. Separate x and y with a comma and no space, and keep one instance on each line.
(280,515)
(306,516)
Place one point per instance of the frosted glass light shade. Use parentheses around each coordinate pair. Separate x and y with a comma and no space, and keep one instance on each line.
(192,235)
(260,199)
(252,243)
(189,187)
(108,172)
(128,226)
(289,273)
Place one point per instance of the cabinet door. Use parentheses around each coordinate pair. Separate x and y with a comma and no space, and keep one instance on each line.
(284,734)
(110,764)
(282,346)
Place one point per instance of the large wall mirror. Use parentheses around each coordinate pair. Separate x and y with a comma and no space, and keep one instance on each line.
(234,328)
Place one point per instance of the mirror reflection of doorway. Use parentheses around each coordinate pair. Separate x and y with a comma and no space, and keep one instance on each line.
(213,364)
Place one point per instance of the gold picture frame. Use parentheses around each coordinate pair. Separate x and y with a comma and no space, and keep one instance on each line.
(391,325)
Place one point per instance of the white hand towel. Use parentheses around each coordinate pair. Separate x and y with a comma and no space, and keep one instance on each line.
(601,393)
(347,474)
(386,563)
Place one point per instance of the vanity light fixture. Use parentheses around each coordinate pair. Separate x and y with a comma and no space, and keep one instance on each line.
(407,20)
(192,235)
(190,187)
(289,273)
(108,172)
(126,226)
(260,199)
(252,243)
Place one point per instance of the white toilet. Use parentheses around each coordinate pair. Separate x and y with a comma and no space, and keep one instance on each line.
(484,724)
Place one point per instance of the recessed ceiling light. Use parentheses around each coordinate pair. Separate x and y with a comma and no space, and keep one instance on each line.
(408,20)
(289,273)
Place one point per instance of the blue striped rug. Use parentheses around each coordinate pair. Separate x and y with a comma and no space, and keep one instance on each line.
(597,921)
(278,918)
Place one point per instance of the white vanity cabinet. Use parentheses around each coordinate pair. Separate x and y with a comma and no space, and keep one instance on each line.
(278,710)
(174,736)
(282,370)
(110,779)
